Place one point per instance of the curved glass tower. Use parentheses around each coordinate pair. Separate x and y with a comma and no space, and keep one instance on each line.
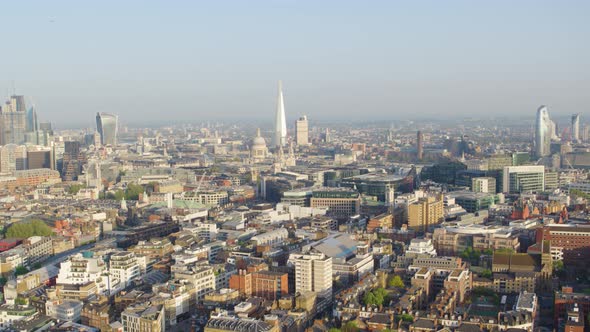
(106,125)
(542,133)
(280,138)
(576,128)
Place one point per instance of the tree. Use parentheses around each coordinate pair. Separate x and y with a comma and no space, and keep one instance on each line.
(396,282)
(375,297)
(3,281)
(25,230)
(486,273)
(20,270)
(133,191)
(407,318)
(75,188)
(350,327)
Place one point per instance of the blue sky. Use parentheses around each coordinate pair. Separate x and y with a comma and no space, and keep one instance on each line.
(158,61)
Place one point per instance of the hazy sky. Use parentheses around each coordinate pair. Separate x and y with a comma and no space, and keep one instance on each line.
(189,60)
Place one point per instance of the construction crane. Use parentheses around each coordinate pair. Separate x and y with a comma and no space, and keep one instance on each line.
(200,182)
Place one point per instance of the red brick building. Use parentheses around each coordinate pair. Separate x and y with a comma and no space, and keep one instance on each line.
(572,241)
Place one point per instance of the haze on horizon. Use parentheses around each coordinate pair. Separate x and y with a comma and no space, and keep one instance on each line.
(172,61)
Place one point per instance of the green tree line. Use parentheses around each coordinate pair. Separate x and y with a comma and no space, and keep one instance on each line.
(27,229)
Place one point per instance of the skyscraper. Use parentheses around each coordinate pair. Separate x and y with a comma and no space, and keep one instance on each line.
(72,161)
(542,133)
(13,121)
(280,138)
(302,131)
(576,127)
(32,124)
(106,125)
(419,145)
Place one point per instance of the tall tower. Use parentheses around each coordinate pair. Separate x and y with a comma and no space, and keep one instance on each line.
(302,131)
(13,123)
(542,133)
(576,127)
(280,138)
(107,127)
(419,145)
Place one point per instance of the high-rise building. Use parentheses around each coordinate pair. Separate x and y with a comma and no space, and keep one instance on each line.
(576,128)
(302,131)
(280,137)
(32,124)
(521,179)
(13,158)
(542,133)
(107,127)
(419,145)
(13,121)
(428,211)
(313,273)
(40,159)
(72,161)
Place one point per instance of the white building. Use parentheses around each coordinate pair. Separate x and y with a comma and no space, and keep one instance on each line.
(421,247)
(202,277)
(523,179)
(79,270)
(9,314)
(123,269)
(302,131)
(313,272)
(69,310)
(272,238)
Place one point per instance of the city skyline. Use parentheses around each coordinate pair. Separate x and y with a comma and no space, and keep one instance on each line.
(384,61)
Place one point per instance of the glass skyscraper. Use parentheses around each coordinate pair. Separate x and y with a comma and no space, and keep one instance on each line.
(106,125)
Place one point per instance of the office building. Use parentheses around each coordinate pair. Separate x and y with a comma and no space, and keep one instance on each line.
(576,128)
(124,268)
(569,242)
(302,131)
(313,273)
(543,133)
(40,159)
(32,125)
(341,202)
(483,185)
(13,124)
(72,161)
(523,179)
(13,158)
(107,127)
(426,212)
(38,249)
(280,132)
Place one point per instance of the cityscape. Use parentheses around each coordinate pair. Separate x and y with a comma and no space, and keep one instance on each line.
(288,218)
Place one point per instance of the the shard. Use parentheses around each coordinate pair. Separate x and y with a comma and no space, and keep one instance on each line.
(280,138)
